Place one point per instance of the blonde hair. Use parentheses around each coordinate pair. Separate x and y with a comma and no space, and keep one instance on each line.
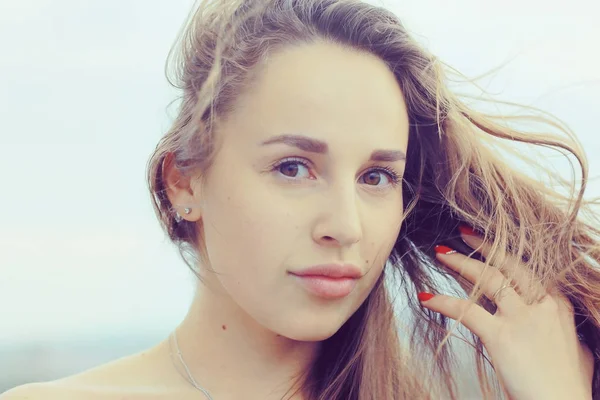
(454,174)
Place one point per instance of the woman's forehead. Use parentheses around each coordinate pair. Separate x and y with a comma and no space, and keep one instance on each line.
(314,91)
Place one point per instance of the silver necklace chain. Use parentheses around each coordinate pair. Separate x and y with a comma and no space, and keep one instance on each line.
(190,378)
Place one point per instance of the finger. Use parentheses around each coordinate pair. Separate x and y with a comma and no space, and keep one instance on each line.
(514,269)
(474,240)
(472,316)
(491,279)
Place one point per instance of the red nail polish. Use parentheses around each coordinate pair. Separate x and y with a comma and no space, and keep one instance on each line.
(467,230)
(444,249)
(424,296)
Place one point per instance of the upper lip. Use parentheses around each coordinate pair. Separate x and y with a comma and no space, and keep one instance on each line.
(331,271)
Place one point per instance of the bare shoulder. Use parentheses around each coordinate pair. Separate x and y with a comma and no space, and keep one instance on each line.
(144,375)
(35,391)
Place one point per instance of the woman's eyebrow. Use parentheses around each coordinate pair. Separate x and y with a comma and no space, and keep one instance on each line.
(312,145)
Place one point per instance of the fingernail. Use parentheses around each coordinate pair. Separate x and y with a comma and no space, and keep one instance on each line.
(467,230)
(444,249)
(424,296)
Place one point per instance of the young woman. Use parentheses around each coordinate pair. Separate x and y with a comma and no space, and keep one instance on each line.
(317,153)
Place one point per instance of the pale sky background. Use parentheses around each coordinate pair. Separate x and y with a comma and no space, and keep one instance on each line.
(83,103)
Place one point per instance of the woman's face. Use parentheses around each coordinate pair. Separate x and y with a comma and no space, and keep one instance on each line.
(272,207)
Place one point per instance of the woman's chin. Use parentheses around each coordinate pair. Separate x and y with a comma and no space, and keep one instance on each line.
(313,331)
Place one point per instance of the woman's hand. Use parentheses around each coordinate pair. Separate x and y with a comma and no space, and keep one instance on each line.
(534,348)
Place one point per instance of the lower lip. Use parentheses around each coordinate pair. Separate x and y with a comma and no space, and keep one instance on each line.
(326,287)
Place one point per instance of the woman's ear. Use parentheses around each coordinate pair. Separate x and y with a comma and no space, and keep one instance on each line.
(182,192)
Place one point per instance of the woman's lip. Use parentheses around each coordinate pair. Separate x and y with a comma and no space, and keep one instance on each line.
(327,287)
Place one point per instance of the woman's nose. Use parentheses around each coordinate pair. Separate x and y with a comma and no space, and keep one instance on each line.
(339,221)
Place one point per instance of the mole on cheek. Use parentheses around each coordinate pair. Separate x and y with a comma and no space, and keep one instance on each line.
(224,327)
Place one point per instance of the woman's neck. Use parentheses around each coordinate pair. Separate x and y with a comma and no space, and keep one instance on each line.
(226,350)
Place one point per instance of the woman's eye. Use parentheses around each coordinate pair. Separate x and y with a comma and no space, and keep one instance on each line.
(299,169)
(374,178)
(291,168)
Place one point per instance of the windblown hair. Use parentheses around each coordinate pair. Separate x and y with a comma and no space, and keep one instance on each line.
(454,174)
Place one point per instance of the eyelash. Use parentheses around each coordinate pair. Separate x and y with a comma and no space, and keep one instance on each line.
(393,176)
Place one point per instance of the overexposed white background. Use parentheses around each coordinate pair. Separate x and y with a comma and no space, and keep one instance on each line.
(83,102)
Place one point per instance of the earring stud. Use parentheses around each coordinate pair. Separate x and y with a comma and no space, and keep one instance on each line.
(179,218)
